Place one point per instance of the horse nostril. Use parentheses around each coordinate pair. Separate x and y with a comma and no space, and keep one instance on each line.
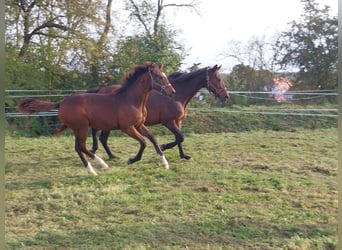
(173,93)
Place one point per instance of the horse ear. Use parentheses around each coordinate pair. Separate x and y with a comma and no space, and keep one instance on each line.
(161,66)
(153,65)
(216,67)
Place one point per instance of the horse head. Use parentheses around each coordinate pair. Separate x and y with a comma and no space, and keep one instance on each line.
(215,83)
(159,80)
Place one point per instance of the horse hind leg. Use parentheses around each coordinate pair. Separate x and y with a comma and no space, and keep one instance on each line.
(84,160)
(81,150)
(60,130)
(95,144)
(104,139)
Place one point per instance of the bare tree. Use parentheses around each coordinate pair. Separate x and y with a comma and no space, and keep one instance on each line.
(256,53)
(149,13)
(28,13)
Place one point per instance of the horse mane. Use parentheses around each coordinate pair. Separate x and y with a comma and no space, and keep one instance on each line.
(133,75)
(175,75)
(187,76)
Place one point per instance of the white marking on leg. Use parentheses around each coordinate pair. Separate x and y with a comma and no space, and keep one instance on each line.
(91,170)
(101,162)
(164,162)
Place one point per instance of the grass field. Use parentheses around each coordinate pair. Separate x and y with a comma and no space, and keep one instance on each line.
(248,190)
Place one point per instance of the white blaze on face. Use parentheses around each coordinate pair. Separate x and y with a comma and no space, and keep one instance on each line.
(91,170)
(164,74)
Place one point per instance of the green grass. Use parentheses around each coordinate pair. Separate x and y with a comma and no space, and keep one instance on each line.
(250,190)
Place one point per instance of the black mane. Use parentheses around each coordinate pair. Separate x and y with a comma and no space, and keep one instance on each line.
(187,76)
(175,75)
(132,76)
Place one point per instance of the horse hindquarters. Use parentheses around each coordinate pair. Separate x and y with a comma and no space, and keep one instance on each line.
(73,117)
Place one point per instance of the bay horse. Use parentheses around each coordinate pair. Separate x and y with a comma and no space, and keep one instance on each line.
(170,112)
(124,110)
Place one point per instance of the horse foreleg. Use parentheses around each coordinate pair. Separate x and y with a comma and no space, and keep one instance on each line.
(103,139)
(179,138)
(144,130)
(132,132)
(181,152)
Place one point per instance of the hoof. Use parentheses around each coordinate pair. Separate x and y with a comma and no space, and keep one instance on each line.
(112,157)
(91,170)
(93,173)
(164,162)
(186,157)
(132,160)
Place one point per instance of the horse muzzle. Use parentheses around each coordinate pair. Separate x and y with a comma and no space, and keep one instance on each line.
(222,94)
(168,90)
(164,89)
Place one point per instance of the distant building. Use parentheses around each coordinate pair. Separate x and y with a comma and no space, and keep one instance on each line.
(281,85)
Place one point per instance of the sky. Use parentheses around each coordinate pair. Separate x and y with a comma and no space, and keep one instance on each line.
(206,36)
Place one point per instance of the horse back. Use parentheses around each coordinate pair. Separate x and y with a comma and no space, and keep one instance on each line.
(100,111)
(87,109)
(104,89)
(109,89)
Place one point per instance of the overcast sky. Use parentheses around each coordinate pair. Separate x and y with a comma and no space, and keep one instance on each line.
(206,37)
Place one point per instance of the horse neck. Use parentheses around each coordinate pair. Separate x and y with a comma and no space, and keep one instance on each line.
(186,89)
(138,92)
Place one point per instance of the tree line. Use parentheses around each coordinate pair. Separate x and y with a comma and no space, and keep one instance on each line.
(64,44)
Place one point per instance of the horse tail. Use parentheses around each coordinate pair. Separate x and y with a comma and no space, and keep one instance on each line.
(60,130)
(30,105)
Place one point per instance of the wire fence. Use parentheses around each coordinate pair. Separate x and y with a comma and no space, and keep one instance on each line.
(289,96)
